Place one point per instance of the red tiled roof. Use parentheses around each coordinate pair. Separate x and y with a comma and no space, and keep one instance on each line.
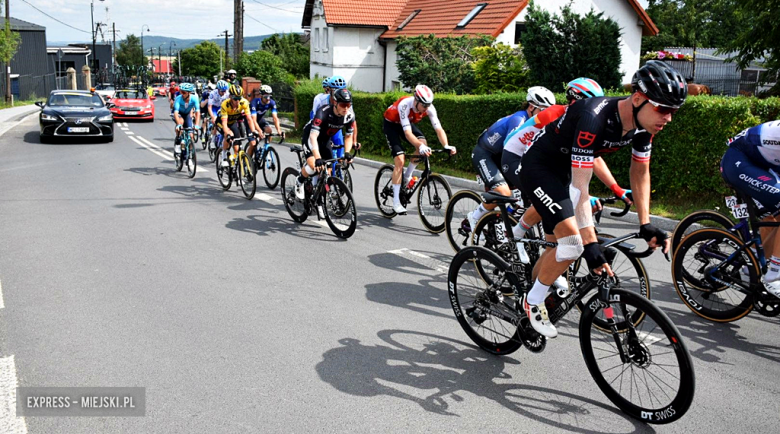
(161,66)
(440,17)
(380,13)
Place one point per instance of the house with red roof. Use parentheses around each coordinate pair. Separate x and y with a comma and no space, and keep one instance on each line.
(357,38)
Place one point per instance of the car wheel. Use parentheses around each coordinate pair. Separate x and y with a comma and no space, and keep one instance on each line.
(45,139)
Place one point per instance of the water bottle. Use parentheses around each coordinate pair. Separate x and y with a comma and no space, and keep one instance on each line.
(412,182)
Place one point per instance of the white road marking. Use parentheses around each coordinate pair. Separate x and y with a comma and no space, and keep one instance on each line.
(9,423)
(649,339)
(1,295)
(424,260)
(129,133)
(165,156)
(269,199)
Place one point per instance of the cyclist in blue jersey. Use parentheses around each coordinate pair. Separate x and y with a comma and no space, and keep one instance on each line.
(204,105)
(751,165)
(262,105)
(215,101)
(183,107)
(486,156)
(318,99)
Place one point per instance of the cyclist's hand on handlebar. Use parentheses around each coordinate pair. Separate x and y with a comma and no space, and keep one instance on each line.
(596,260)
(348,157)
(655,237)
(595,205)
(424,150)
(451,149)
(179,127)
(624,195)
(319,162)
(357,146)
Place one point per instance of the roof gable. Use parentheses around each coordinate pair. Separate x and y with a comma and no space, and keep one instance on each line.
(18,25)
(368,13)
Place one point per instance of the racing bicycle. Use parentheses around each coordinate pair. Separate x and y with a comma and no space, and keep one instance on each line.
(187,156)
(241,168)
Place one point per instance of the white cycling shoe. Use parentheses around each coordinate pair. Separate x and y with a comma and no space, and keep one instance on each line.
(537,315)
(472,221)
(299,193)
(399,209)
(561,286)
(772,287)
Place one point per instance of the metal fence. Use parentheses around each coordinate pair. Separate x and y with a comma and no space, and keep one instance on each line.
(722,78)
(27,87)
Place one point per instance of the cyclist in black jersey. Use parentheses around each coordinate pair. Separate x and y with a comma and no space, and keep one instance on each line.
(558,166)
(317,134)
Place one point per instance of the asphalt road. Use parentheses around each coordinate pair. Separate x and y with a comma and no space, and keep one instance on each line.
(117,271)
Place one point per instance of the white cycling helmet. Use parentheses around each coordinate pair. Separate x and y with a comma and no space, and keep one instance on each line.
(266,90)
(423,94)
(540,96)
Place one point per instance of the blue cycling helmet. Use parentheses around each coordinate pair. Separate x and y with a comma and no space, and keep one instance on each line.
(581,88)
(187,87)
(222,85)
(337,82)
(325,82)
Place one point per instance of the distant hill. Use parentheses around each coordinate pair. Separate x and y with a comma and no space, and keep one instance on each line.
(251,43)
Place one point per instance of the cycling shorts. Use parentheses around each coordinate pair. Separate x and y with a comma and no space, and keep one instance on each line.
(546,182)
(187,120)
(487,164)
(215,112)
(238,129)
(510,168)
(262,123)
(394,133)
(752,180)
(324,148)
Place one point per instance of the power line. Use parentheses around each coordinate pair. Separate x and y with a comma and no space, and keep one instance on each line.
(250,16)
(274,7)
(64,24)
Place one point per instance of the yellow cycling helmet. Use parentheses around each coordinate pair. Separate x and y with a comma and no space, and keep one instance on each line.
(236,90)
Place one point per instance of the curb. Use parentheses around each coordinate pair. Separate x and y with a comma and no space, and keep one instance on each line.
(6,125)
(663,223)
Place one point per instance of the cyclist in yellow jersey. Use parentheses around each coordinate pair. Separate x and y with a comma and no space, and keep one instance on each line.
(237,120)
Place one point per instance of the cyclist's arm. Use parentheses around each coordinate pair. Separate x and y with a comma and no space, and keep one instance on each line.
(640,187)
(276,119)
(602,172)
(437,126)
(197,118)
(225,128)
(349,136)
(313,145)
(404,108)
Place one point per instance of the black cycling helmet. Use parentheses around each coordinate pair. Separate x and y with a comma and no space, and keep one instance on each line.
(342,95)
(660,83)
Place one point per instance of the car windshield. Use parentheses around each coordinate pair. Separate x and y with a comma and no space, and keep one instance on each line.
(75,99)
(130,94)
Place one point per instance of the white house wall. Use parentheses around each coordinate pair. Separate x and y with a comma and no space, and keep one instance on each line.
(359,57)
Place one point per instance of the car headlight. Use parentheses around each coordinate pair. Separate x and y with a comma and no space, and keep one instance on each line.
(149,106)
(106,118)
(46,117)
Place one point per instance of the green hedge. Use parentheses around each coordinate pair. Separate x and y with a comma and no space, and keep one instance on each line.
(686,153)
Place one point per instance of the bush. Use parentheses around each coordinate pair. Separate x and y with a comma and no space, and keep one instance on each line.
(686,154)
(499,68)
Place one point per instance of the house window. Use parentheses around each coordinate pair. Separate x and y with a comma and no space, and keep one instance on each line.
(465,21)
(316,44)
(519,29)
(325,40)
(409,18)
(396,85)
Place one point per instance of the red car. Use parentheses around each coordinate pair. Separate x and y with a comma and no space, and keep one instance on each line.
(132,104)
(161,90)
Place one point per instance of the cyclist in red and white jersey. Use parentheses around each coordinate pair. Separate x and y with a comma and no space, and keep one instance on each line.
(399,122)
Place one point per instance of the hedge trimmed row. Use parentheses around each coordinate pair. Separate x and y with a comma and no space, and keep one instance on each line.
(686,153)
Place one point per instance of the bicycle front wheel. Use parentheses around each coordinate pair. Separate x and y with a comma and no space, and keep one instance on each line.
(340,211)
(478,299)
(271,169)
(699,220)
(246,178)
(295,207)
(693,267)
(645,370)
(178,160)
(192,162)
(432,201)
(456,222)
(224,175)
(347,178)
(383,191)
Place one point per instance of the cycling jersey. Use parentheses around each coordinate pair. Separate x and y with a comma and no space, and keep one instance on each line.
(234,114)
(184,108)
(494,138)
(328,124)
(216,100)
(520,138)
(761,144)
(320,100)
(260,108)
(402,112)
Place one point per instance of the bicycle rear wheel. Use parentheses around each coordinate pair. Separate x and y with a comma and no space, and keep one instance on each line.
(271,169)
(177,160)
(432,200)
(487,316)
(246,178)
(699,220)
(295,207)
(383,191)
(224,175)
(456,222)
(340,211)
(192,162)
(655,380)
(698,254)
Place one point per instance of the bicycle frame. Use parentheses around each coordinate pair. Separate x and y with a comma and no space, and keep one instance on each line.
(321,186)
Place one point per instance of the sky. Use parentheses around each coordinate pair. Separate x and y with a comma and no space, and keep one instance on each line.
(188,19)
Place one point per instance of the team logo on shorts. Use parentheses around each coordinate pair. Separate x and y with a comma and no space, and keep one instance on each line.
(505,168)
(585,139)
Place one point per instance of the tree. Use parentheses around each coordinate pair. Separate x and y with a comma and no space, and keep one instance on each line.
(692,23)
(499,68)
(264,66)
(444,64)
(201,60)
(9,42)
(130,54)
(562,47)
(759,38)
(293,53)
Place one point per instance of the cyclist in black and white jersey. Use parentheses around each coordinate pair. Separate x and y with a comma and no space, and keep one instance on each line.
(558,166)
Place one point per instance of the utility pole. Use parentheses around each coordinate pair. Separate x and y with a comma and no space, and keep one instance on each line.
(113,52)
(238,29)
(179,63)
(8,66)
(227,53)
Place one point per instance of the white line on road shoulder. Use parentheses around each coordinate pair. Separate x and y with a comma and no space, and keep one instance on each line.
(1,295)
(166,156)
(269,199)
(9,423)
(160,151)
(424,260)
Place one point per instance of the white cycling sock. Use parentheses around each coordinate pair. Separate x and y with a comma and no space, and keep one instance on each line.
(409,172)
(521,228)
(314,179)
(773,272)
(224,154)
(538,293)
(396,193)
(479,212)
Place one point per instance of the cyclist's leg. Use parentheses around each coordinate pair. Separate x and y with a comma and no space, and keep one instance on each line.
(187,122)
(413,163)
(393,133)
(510,167)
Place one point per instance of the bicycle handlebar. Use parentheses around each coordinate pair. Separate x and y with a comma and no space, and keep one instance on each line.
(433,151)
(649,251)
(613,200)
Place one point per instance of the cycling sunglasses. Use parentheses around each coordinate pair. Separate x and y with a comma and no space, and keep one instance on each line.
(345,105)
(235,98)
(659,108)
